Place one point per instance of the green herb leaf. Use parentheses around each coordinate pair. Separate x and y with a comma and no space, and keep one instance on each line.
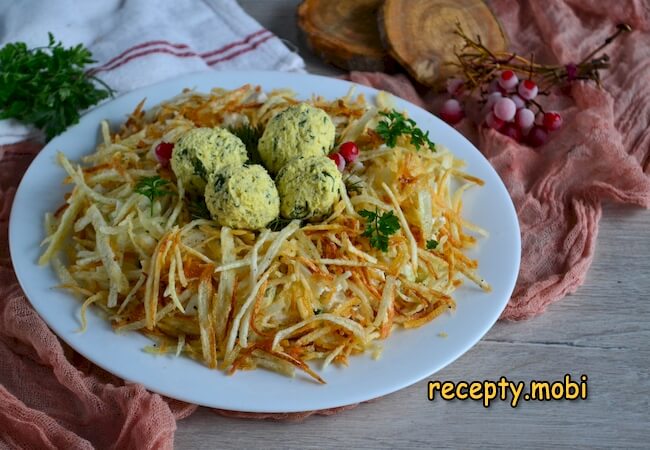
(198,209)
(278,224)
(432,244)
(353,183)
(395,125)
(152,188)
(250,136)
(379,227)
(47,86)
(199,168)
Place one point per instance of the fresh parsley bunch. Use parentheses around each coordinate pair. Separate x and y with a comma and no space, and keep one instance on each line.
(394,125)
(379,227)
(47,86)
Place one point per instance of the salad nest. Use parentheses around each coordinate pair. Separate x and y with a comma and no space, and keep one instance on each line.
(390,254)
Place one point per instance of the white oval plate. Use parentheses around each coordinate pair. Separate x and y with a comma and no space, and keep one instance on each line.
(408,356)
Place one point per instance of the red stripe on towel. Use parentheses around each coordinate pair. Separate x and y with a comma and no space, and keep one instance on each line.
(123,58)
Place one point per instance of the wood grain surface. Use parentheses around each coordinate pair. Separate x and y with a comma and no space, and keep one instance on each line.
(603,330)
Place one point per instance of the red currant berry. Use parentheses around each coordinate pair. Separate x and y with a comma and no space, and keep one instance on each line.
(528,89)
(163,153)
(493,121)
(338,159)
(519,102)
(452,111)
(455,86)
(537,136)
(512,131)
(552,121)
(505,109)
(508,79)
(349,151)
(525,119)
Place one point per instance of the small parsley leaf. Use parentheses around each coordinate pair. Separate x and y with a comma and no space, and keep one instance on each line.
(395,125)
(432,244)
(379,227)
(152,188)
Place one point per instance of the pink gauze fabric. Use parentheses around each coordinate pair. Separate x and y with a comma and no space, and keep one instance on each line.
(602,152)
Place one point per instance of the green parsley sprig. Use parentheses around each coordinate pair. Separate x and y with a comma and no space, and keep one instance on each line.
(47,86)
(379,227)
(152,188)
(395,125)
(432,244)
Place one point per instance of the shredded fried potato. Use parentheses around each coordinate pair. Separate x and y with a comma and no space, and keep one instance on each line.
(237,299)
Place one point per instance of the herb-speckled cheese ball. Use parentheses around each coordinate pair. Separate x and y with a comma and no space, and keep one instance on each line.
(202,151)
(242,197)
(300,130)
(308,187)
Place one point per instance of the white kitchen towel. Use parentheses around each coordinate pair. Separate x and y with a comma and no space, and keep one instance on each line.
(140,42)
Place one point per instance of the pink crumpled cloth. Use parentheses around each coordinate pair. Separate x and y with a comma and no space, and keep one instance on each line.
(50,397)
(601,153)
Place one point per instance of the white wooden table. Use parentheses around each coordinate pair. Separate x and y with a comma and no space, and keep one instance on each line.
(603,331)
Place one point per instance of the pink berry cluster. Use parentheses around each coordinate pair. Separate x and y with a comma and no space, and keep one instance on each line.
(507,109)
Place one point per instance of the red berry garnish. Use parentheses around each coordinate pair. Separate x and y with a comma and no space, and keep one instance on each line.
(163,153)
(528,89)
(552,121)
(452,111)
(349,151)
(537,136)
(455,86)
(493,121)
(492,98)
(338,159)
(505,109)
(525,119)
(519,102)
(508,79)
(512,131)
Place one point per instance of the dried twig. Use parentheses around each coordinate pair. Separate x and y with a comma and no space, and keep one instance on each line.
(480,65)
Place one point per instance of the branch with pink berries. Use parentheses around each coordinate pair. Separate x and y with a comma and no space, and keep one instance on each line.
(508,87)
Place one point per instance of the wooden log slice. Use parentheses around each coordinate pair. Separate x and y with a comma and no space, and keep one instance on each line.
(419,33)
(345,33)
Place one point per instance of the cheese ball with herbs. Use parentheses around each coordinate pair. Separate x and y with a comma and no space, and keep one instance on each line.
(242,197)
(300,130)
(308,187)
(200,152)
